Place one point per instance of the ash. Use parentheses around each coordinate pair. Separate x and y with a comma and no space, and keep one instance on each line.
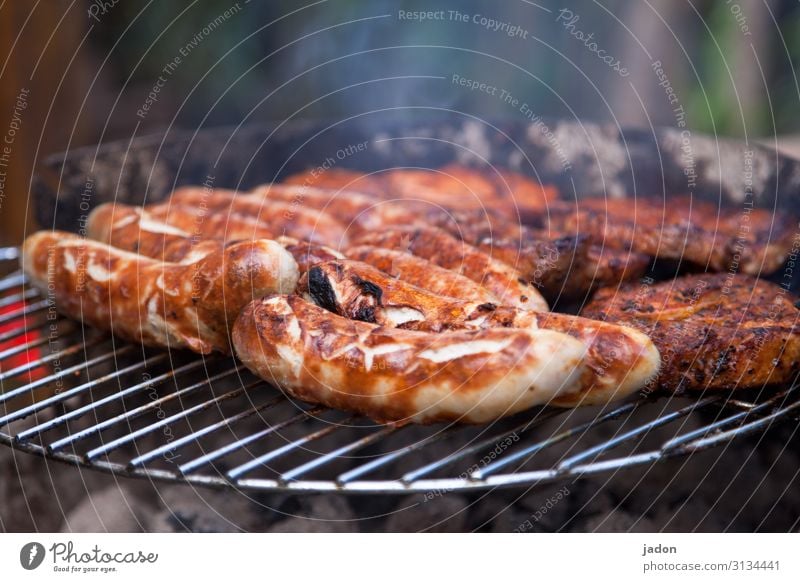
(750,485)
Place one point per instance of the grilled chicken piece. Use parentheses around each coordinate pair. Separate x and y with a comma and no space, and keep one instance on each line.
(440,248)
(749,240)
(395,375)
(619,360)
(713,331)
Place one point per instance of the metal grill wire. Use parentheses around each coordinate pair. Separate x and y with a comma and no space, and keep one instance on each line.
(75,395)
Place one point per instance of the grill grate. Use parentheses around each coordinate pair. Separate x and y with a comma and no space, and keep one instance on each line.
(72,394)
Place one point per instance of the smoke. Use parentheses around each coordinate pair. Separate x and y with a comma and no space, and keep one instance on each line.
(353,57)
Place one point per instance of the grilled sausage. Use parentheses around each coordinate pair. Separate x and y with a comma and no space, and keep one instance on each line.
(446,251)
(240,216)
(452,186)
(339,179)
(360,213)
(394,375)
(132,229)
(152,302)
(308,254)
(561,266)
(527,196)
(421,273)
(620,360)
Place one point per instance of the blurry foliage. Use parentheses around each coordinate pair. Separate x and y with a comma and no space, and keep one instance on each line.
(151,34)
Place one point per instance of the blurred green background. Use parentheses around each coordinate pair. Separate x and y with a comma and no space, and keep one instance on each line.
(732,65)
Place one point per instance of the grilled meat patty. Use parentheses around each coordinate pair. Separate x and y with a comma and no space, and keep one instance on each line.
(713,331)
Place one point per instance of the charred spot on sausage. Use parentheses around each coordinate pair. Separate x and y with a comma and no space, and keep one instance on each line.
(321,290)
(369,288)
(365,313)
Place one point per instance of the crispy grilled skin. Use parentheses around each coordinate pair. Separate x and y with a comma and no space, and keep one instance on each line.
(339,179)
(239,216)
(562,267)
(394,375)
(526,195)
(132,229)
(308,254)
(360,213)
(620,360)
(440,248)
(610,267)
(456,186)
(682,228)
(452,186)
(535,253)
(713,331)
(156,303)
(421,273)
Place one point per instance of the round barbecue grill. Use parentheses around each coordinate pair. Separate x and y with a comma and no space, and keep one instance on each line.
(70,393)
(81,397)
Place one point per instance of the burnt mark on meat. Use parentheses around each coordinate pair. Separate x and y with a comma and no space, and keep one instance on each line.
(321,290)
(721,364)
(365,313)
(369,288)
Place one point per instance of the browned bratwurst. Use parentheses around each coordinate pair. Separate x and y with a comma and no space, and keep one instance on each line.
(422,273)
(241,216)
(152,302)
(360,213)
(394,375)
(560,266)
(446,251)
(135,230)
(132,229)
(620,360)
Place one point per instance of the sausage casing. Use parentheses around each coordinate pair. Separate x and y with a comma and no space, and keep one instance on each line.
(620,360)
(153,302)
(394,375)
